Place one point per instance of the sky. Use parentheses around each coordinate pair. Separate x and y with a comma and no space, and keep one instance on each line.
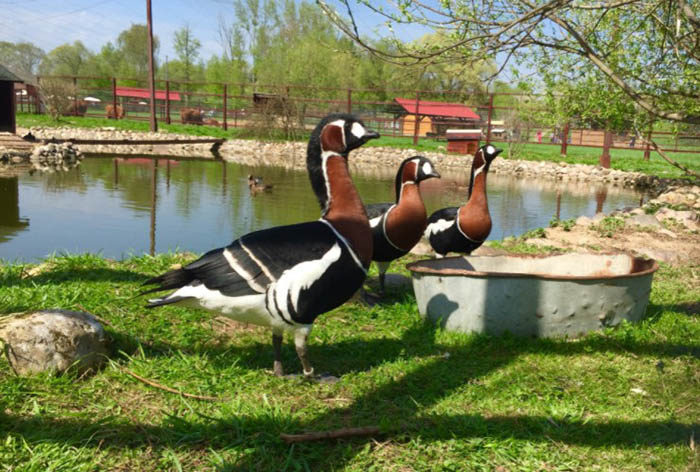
(50,23)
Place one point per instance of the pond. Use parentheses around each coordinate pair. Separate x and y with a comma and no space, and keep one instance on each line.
(123,206)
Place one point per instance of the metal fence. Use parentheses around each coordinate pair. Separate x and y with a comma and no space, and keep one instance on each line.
(494,117)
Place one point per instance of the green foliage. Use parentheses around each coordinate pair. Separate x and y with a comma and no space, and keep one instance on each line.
(132,45)
(566,225)
(67,59)
(21,58)
(609,225)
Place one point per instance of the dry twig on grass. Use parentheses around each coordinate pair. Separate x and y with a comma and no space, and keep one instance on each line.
(333,434)
(172,390)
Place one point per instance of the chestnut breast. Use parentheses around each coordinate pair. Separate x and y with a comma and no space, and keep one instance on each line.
(474,219)
(407,220)
(345,210)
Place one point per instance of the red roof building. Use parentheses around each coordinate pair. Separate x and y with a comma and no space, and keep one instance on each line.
(426,108)
(134,92)
(435,118)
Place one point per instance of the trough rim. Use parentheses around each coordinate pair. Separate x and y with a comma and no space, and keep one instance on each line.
(645,266)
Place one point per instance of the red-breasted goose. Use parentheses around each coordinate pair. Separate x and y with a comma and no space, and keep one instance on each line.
(284,277)
(473,218)
(397,227)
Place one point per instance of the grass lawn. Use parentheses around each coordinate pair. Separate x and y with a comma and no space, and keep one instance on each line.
(622,159)
(622,399)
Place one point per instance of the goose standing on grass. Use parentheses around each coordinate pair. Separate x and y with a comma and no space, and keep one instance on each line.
(465,228)
(397,227)
(284,277)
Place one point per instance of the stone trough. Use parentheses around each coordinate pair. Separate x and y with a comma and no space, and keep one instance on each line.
(541,296)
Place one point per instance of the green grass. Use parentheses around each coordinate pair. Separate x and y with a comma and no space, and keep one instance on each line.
(622,399)
(27,120)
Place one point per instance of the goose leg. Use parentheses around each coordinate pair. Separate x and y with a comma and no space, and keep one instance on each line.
(382,266)
(300,338)
(277,345)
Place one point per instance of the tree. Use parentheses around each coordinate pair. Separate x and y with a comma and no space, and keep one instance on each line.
(187,49)
(67,59)
(645,48)
(132,44)
(21,58)
(256,22)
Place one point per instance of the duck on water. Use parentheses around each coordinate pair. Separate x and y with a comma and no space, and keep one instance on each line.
(285,277)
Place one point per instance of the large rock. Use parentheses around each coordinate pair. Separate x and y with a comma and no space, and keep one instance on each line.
(688,218)
(53,340)
(643,221)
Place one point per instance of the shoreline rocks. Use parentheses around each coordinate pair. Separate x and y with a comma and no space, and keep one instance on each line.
(292,155)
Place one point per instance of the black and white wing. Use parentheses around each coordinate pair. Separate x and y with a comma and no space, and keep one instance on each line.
(375,211)
(303,270)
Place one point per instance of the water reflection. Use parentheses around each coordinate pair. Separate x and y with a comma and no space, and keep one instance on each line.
(10,221)
(122,206)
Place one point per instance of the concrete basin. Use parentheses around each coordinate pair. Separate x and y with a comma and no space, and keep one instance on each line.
(541,296)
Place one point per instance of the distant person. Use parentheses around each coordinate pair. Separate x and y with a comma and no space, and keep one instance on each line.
(633,140)
(539,136)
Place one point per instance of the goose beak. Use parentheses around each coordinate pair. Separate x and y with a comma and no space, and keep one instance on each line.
(435,174)
(370,135)
(497,152)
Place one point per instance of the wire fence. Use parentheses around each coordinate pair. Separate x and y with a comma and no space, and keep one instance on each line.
(461,119)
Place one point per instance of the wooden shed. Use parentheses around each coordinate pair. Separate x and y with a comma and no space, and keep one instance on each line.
(434,118)
(7,100)
(463,141)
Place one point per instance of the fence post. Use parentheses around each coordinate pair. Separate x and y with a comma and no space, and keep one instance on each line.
(488,125)
(564,139)
(75,96)
(167,101)
(647,148)
(605,157)
(114,99)
(349,100)
(225,107)
(37,103)
(416,122)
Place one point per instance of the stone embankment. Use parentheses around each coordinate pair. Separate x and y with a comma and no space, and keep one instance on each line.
(666,228)
(367,159)
(55,157)
(108,133)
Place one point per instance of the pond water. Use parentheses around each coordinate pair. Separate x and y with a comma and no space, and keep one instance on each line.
(123,206)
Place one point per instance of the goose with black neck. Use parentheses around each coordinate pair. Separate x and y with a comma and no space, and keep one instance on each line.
(465,228)
(285,277)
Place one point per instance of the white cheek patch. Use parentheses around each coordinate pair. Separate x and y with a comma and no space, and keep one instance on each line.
(490,149)
(358,130)
(427,168)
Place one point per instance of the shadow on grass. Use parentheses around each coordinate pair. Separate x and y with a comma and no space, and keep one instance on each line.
(400,404)
(60,276)
(688,308)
